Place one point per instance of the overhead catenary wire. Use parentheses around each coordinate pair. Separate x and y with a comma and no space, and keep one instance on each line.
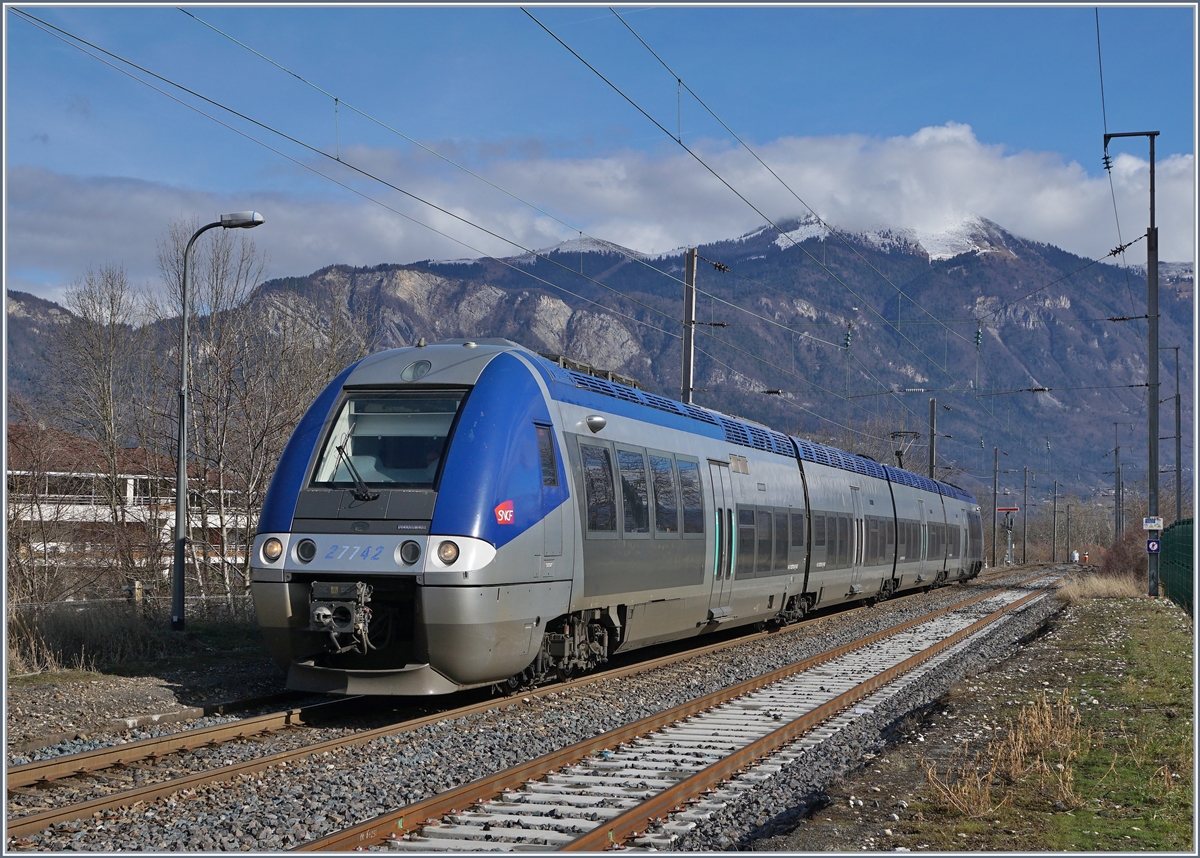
(1057,389)
(1108,161)
(559,220)
(632,257)
(76,42)
(71,40)
(425,226)
(829,229)
(621,250)
(1116,250)
(737,193)
(720,266)
(793,404)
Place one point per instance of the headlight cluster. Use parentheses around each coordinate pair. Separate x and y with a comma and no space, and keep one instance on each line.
(272,550)
(306,550)
(408,553)
(447,552)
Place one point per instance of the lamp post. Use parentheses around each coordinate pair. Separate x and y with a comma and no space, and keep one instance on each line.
(237,220)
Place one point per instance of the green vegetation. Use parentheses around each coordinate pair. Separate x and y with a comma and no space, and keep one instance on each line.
(1075,773)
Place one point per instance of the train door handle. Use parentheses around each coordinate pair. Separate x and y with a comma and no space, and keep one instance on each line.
(718,545)
(729,562)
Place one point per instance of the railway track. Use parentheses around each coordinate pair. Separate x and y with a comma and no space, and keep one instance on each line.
(136,755)
(612,788)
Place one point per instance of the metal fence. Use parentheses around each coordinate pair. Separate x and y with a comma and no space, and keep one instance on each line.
(1177,571)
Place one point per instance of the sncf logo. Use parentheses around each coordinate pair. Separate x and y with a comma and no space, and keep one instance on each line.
(504,513)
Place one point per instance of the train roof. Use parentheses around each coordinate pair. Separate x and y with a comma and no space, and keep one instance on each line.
(462,365)
(747,434)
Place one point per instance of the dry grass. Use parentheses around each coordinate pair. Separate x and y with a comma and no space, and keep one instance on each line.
(99,635)
(1122,585)
(1037,751)
(79,637)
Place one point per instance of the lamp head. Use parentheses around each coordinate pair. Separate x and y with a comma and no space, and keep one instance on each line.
(241,220)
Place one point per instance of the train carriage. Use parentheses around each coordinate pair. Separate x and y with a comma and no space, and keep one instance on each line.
(470,513)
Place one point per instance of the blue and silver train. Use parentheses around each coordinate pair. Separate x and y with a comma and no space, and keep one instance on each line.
(465,513)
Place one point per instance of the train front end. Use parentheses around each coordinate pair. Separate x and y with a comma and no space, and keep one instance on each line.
(410,542)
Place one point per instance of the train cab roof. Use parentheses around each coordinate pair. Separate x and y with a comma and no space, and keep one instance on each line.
(460,363)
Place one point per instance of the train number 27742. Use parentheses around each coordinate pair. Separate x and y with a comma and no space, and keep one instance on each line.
(355,552)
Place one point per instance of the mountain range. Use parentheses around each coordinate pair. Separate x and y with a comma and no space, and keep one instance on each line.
(839,336)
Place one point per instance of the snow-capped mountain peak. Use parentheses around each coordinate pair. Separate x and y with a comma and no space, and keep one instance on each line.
(584,244)
(973,234)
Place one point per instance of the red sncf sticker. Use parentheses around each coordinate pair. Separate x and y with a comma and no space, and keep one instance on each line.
(504,513)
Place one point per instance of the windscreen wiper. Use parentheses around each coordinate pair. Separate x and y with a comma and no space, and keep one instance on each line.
(361,490)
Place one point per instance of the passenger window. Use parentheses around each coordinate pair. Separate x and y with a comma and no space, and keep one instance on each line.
(797,530)
(745,540)
(781,541)
(598,488)
(666,507)
(765,540)
(634,492)
(693,503)
(546,454)
(818,524)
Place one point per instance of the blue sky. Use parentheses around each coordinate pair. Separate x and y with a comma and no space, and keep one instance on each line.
(876,116)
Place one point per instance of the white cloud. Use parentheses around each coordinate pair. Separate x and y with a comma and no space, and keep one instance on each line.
(58,225)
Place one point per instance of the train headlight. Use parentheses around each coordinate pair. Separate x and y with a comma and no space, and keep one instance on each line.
(306,550)
(272,550)
(447,552)
(408,553)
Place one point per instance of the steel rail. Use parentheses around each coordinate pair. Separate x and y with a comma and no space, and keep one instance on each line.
(661,804)
(412,817)
(33,823)
(42,771)
(187,713)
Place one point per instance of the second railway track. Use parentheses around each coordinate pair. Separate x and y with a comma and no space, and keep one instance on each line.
(612,788)
(348,780)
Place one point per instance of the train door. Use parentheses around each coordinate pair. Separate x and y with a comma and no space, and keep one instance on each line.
(724,540)
(857,534)
(553,523)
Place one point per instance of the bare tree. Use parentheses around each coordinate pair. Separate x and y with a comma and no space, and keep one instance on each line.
(258,360)
(95,360)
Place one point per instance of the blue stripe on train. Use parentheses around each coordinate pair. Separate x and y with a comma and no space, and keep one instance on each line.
(493,458)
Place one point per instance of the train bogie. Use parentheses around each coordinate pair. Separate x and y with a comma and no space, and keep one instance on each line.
(464,514)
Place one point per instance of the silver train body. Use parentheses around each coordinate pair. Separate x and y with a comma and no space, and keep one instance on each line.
(471,513)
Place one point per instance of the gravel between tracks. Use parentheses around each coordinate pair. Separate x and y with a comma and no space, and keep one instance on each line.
(319,795)
(64,717)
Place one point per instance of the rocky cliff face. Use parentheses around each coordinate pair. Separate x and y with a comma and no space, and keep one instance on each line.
(913,304)
(32,323)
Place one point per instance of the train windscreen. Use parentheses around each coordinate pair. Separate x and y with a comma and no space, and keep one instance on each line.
(388,440)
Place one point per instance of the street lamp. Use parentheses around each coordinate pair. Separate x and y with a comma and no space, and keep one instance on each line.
(237,220)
